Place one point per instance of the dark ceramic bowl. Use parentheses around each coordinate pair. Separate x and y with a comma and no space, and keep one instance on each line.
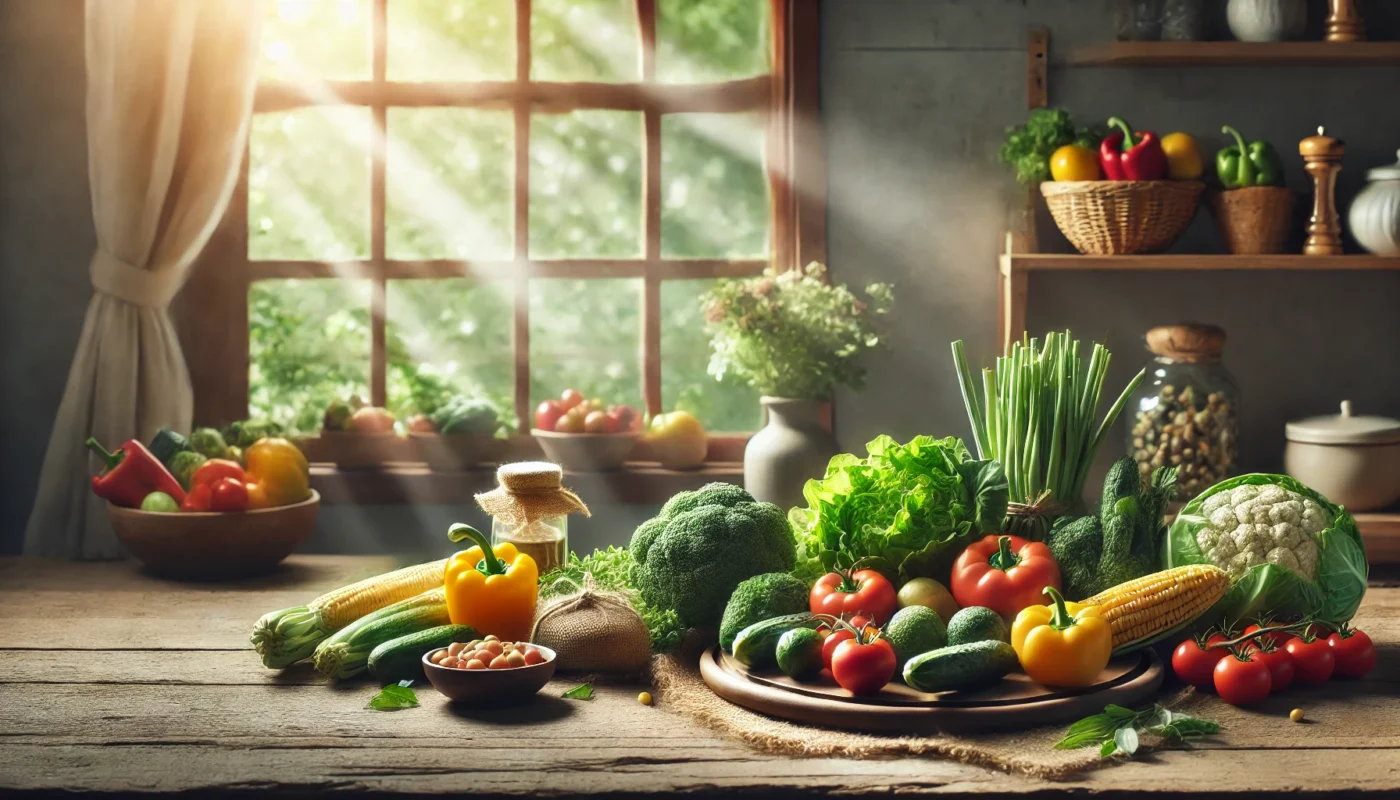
(491,686)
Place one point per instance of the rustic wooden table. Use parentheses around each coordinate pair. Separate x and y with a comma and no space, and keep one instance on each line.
(111,680)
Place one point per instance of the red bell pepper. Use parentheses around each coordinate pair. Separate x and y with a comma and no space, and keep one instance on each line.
(1128,157)
(218,485)
(1004,573)
(130,474)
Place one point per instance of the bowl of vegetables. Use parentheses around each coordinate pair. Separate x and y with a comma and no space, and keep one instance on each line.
(585,435)
(214,545)
(356,435)
(461,433)
(489,671)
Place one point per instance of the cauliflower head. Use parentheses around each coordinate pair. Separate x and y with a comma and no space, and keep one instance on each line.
(1252,525)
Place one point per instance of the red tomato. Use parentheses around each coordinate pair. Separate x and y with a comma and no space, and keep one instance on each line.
(1005,574)
(1242,682)
(228,494)
(864,591)
(1277,637)
(863,669)
(547,414)
(1280,664)
(1313,661)
(197,499)
(624,418)
(838,636)
(1195,665)
(1354,653)
(216,469)
(570,398)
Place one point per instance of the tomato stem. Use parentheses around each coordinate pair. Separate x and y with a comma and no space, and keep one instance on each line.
(1232,643)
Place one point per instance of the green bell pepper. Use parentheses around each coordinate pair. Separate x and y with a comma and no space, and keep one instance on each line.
(1252,164)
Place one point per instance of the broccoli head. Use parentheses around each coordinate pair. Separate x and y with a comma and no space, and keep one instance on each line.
(772,594)
(692,555)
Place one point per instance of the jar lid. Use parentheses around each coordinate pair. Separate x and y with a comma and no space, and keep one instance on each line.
(527,491)
(1322,145)
(1344,428)
(1390,172)
(1187,342)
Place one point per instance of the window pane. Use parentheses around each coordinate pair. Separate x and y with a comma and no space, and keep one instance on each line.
(713,40)
(586,335)
(585,40)
(586,185)
(311,39)
(450,175)
(451,40)
(308,343)
(728,406)
(308,184)
(714,188)
(452,334)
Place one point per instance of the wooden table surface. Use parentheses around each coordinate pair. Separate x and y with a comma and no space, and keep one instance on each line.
(115,681)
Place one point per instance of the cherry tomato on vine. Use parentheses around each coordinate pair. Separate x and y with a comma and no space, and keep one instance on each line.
(840,635)
(863,669)
(1280,664)
(1353,652)
(1196,665)
(1277,637)
(1242,681)
(1312,660)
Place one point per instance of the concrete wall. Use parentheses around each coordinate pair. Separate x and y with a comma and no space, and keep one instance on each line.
(916,96)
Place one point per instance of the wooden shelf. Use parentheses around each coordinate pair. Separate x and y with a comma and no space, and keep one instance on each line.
(1236,54)
(1018,262)
(1381,533)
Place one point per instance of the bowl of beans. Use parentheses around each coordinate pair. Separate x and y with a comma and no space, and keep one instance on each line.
(488,670)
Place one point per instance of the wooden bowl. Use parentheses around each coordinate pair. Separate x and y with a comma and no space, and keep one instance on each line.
(456,452)
(214,545)
(491,686)
(350,450)
(586,452)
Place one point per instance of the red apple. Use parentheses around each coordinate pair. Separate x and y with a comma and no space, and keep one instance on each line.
(625,418)
(547,414)
(570,398)
(598,422)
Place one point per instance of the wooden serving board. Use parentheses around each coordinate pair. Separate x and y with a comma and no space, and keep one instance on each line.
(1015,702)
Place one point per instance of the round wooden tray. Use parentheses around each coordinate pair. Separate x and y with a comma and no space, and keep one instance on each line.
(1015,702)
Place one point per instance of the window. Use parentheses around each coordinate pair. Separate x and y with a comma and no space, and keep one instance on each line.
(512,196)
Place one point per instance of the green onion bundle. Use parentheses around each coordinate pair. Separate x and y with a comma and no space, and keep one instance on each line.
(1036,416)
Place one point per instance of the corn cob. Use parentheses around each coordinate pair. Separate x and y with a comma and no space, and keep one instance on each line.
(1146,609)
(285,637)
(347,651)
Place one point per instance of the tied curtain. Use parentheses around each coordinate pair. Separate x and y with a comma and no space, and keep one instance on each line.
(169,100)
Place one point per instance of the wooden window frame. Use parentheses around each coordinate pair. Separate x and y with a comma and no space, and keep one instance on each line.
(214,301)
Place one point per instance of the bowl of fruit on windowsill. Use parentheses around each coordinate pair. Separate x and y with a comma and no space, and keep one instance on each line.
(585,435)
(461,433)
(356,435)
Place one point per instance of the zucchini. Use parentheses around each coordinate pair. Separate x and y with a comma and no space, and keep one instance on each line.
(961,666)
(401,659)
(347,652)
(757,645)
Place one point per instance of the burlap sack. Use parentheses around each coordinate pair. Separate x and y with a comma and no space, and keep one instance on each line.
(594,631)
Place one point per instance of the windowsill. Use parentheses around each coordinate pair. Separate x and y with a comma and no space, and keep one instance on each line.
(402,483)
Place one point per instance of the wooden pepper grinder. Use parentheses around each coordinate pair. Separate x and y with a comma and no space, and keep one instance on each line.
(1322,158)
(1344,22)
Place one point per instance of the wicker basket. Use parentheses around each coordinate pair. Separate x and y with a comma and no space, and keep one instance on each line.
(1255,220)
(1104,218)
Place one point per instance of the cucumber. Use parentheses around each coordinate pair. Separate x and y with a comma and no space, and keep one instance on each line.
(799,654)
(401,659)
(757,645)
(347,652)
(962,666)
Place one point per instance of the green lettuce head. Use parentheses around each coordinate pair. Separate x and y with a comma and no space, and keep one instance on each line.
(1289,552)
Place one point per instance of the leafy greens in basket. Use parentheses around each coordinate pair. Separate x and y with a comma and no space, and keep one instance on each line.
(908,508)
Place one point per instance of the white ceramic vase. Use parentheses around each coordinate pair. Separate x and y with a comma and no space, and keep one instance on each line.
(1267,20)
(792,448)
(1375,213)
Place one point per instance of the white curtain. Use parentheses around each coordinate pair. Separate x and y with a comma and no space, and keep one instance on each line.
(169,100)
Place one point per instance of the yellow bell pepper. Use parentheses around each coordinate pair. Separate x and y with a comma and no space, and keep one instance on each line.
(1074,163)
(278,474)
(1184,161)
(1063,644)
(491,589)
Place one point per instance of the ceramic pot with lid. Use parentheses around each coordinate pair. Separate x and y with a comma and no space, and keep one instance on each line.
(1353,461)
(1375,214)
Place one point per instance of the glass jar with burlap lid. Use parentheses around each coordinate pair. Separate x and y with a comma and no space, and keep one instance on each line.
(530,508)
(1186,413)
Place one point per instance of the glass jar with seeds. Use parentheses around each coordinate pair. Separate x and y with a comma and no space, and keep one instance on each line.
(530,509)
(1186,414)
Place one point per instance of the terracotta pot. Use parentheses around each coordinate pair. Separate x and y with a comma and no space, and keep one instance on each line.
(792,448)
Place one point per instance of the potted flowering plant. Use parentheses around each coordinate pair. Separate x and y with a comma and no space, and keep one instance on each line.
(795,338)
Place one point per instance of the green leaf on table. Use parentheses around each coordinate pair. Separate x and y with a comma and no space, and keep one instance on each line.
(394,697)
(584,691)
(1127,741)
(1119,730)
